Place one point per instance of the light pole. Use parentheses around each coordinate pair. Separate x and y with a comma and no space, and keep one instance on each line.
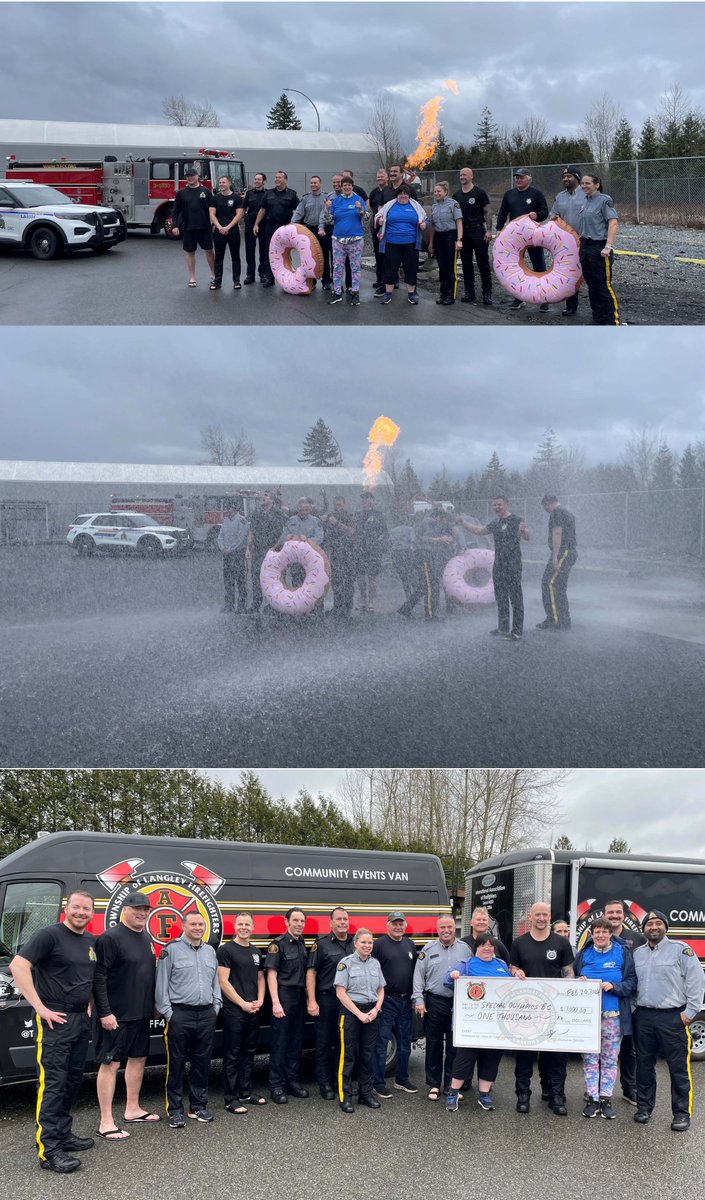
(298,93)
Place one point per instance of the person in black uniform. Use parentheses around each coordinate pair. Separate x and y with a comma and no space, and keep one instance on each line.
(62,959)
(370,543)
(253,203)
(598,233)
(435,539)
(242,984)
(278,204)
(360,992)
(564,553)
(286,979)
(477,234)
(397,956)
(322,1002)
(374,203)
(614,912)
(507,531)
(339,545)
(124,1004)
(192,216)
(541,954)
(521,201)
(226,212)
(266,525)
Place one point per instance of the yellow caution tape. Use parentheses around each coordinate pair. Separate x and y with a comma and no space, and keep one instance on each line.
(637,254)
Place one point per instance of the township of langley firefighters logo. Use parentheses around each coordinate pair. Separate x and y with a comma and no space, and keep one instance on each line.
(476,991)
(171,894)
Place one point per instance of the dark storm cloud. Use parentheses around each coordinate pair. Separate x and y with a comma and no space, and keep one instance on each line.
(116,62)
(143,395)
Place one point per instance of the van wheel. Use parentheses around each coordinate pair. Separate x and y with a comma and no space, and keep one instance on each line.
(697,1033)
(149,547)
(85,546)
(390,1065)
(45,243)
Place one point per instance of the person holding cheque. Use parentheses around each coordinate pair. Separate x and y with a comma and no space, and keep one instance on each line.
(483,962)
(610,960)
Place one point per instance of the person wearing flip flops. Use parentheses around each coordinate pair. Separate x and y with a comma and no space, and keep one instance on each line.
(243,985)
(124,1000)
(433,1000)
(55,973)
(191,216)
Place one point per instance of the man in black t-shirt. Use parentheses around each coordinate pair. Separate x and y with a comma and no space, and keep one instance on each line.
(322,1001)
(523,200)
(541,954)
(563,554)
(339,545)
(375,200)
(477,234)
(54,971)
(397,956)
(124,1001)
(227,210)
(480,923)
(278,204)
(253,202)
(242,984)
(192,217)
(396,179)
(507,531)
(266,526)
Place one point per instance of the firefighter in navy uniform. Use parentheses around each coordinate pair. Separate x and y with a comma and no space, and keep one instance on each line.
(322,1002)
(285,965)
(278,204)
(253,203)
(669,996)
(359,986)
(63,960)
(563,547)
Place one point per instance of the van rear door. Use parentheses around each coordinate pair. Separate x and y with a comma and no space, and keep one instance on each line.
(26,906)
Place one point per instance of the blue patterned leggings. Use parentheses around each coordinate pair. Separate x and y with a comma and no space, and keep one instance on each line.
(600,1070)
(341,251)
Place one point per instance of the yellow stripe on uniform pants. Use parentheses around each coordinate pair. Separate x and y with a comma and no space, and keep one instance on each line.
(690,1070)
(40,1088)
(341,1030)
(168,1064)
(455,273)
(429,591)
(610,289)
(552,590)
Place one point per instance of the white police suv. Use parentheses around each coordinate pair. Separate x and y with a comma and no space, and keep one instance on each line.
(36,217)
(126,531)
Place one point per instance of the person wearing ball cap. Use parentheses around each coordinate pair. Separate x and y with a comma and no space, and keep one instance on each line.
(568,206)
(669,995)
(523,200)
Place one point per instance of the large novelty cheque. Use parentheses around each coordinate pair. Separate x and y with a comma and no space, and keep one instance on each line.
(529,1014)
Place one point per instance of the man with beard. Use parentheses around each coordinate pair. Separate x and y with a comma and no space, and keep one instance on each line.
(614,913)
(568,205)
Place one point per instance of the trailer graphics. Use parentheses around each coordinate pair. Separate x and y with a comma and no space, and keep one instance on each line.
(171,897)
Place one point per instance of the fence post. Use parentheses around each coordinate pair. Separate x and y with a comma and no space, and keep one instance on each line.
(626,520)
(637,191)
(702,522)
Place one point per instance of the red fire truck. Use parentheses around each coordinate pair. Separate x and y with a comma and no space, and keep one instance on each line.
(143,189)
(201,515)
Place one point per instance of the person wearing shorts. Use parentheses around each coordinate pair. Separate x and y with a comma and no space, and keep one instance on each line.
(192,218)
(124,1001)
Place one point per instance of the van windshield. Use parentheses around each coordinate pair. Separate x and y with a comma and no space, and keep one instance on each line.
(27,907)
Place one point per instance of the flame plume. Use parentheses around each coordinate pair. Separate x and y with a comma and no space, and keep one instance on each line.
(383,433)
(429,131)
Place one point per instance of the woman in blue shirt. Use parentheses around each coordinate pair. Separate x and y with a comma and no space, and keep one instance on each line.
(485,963)
(610,960)
(346,212)
(401,223)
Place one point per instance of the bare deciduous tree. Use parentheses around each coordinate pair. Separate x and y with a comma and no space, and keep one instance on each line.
(527,140)
(640,454)
(177,110)
(224,451)
(383,130)
(600,127)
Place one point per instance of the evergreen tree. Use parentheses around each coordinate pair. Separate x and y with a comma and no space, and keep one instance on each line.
(441,160)
(493,481)
(623,148)
(693,134)
(649,144)
(441,486)
(663,476)
(320,449)
(407,485)
(564,843)
(547,466)
(689,472)
(618,846)
(282,115)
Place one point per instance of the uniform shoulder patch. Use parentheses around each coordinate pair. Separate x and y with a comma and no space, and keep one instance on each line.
(422,956)
(689,951)
(272,948)
(92,955)
(341,966)
(314,948)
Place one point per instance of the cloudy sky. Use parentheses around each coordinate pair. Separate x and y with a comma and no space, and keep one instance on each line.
(96,398)
(657,812)
(116,62)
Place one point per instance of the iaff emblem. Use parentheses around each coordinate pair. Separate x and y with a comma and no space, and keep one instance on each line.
(171,896)
(476,991)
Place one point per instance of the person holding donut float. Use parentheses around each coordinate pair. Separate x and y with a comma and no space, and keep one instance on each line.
(347,214)
(568,205)
(598,233)
(308,212)
(523,200)
(278,203)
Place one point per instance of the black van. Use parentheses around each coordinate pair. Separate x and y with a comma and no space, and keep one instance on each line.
(219,879)
(578,885)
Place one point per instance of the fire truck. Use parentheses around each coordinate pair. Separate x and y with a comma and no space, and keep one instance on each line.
(201,515)
(142,189)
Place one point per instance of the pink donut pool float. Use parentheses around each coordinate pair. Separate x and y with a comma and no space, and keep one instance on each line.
(278,593)
(455,581)
(298,281)
(517,276)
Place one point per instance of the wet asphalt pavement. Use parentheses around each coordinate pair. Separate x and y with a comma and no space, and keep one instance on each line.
(143,282)
(109,662)
(409,1148)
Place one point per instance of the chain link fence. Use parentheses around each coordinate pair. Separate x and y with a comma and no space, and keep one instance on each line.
(654,191)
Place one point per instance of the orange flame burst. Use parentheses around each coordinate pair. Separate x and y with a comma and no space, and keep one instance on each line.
(428,132)
(383,433)
(452,86)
